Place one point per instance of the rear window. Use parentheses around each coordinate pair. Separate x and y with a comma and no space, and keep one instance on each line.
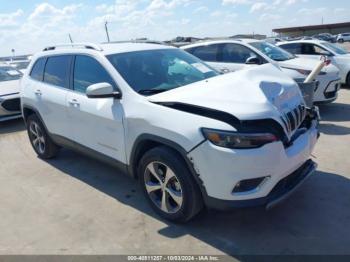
(57,70)
(38,69)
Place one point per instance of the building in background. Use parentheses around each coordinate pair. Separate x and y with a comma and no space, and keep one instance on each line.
(311,30)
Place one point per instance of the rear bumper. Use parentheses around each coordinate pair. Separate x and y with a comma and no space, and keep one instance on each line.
(283,189)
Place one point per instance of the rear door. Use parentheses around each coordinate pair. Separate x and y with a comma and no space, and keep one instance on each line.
(96,123)
(50,91)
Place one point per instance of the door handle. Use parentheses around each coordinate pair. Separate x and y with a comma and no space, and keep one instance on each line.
(74,102)
(38,92)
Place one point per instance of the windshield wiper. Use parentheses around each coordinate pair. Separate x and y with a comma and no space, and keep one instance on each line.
(151,91)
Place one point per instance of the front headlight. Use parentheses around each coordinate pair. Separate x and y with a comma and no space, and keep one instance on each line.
(305,72)
(238,140)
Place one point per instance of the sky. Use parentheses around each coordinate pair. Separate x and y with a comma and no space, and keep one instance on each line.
(29,25)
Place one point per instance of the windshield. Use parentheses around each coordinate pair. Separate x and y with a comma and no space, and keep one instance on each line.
(272,51)
(153,71)
(20,65)
(8,73)
(336,48)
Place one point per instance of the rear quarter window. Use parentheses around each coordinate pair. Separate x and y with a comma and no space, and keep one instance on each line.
(37,72)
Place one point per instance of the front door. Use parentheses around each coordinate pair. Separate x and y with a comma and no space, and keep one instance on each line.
(97,123)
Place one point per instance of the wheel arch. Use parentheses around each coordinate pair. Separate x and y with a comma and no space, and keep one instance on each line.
(29,110)
(146,142)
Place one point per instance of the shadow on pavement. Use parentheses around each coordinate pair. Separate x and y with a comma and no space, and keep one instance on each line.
(335,112)
(12,126)
(331,129)
(314,220)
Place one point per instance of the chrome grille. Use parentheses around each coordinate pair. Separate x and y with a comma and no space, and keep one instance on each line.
(294,118)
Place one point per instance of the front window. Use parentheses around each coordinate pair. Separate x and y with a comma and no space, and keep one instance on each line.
(272,51)
(336,48)
(8,73)
(155,71)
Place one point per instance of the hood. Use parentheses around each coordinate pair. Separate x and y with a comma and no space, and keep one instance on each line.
(307,64)
(9,87)
(250,94)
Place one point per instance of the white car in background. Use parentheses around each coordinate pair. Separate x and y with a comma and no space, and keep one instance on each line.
(314,49)
(231,55)
(344,37)
(20,65)
(9,93)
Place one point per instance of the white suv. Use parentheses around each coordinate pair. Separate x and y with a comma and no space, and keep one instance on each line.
(187,133)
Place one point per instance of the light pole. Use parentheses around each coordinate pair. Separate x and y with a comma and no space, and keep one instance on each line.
(13,53)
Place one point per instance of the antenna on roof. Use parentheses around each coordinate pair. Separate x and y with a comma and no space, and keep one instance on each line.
(106,28)
(70,38)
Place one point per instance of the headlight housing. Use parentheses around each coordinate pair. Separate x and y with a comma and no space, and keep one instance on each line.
(304,72)
(237,140)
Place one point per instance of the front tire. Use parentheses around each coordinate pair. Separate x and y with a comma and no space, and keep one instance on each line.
(40,140)
(348,80)
(168,185)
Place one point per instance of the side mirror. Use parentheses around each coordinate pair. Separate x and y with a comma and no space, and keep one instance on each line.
(253,61)
(102,90)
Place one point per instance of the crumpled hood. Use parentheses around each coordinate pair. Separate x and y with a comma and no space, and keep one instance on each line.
(9,87)
(254,93)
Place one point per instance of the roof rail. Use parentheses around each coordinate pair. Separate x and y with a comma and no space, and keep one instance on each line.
(83,45)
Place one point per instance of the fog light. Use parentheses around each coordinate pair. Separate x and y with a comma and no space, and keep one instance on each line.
(249,184)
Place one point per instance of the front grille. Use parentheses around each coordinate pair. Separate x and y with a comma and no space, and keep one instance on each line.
(12,104)
(294,118)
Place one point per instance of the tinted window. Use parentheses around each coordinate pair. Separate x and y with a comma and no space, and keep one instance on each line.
(206,53)
(235,53)
(292,48)
(310,49)
(87,71)
(155,71)
(38,69)
(57,70)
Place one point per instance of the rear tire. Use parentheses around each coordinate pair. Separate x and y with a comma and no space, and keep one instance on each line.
(168,185)
(341,41)
(40,140)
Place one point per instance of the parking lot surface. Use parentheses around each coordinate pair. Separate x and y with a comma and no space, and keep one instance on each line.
(76,205)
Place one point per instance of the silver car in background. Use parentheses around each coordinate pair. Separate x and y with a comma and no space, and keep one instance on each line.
(9,93)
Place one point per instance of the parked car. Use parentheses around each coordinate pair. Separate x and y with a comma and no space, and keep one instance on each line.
(9,93)
(344,37)
(20,65)
(186,132)
(273,40)
(229,56)
(314,49)
(326,37)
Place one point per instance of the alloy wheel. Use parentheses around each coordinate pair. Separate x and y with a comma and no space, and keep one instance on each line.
(37,137)
(163,187)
